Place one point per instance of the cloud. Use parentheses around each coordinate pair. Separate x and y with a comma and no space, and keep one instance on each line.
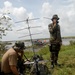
(65,12)
(7,4)
(18,14)
(64,9)
(46,9)
(67,20)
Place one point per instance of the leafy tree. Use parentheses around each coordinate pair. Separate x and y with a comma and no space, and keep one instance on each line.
(5,25)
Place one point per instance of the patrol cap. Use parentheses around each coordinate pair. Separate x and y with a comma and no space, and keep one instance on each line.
(55,17)
(20,45)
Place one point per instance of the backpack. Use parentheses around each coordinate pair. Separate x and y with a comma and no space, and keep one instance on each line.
(42,68)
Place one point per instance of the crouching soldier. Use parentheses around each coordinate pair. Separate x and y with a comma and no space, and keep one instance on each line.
(9,59)
(55,40)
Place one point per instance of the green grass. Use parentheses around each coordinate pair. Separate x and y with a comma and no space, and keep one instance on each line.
(66,58)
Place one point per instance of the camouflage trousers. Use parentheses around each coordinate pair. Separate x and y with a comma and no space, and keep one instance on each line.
(54,49)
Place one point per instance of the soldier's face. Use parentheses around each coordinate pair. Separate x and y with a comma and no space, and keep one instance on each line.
(54,20)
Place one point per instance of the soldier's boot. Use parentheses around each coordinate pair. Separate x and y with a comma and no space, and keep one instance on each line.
(52,65)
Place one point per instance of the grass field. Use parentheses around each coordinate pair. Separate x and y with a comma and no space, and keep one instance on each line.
(66,58)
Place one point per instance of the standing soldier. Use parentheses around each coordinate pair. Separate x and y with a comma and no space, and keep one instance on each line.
(55,40)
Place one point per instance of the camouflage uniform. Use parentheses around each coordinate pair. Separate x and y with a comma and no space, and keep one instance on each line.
(55,41)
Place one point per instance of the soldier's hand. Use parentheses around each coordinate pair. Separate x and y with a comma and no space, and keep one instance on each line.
(54,25)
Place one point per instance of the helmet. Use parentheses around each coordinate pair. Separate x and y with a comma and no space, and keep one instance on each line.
(55,17)
(20,45)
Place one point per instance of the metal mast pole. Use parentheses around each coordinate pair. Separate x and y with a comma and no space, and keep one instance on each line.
(30,37)
(36,62)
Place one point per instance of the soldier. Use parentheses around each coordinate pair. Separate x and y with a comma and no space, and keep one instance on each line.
(55,40)
(9,59)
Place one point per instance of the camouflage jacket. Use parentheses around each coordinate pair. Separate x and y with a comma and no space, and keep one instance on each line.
(55,35)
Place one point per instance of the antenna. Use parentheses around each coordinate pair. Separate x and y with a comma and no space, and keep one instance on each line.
(28,28)
(47,18)
(27,21)
(30,34)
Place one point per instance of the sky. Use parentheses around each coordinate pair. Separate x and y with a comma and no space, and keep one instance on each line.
(22,9)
